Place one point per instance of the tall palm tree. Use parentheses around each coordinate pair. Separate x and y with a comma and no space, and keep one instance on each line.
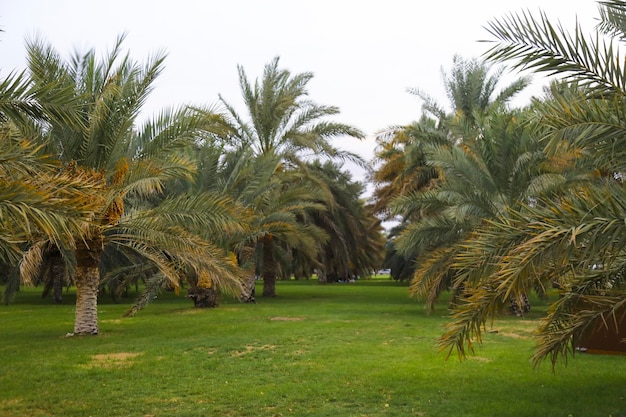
(576,238)
(472,89)
(356,242)
(408,172)
(283,121)
(404,171)
(134,163)
(285,129)
(479,182)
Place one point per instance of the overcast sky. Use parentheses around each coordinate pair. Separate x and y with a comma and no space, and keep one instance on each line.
(364,54)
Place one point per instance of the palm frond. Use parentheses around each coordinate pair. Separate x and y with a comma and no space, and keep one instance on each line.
(534,43)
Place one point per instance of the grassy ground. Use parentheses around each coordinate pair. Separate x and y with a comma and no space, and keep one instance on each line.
(361,349)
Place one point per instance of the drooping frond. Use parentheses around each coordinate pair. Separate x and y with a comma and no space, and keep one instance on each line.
(42,200)
(535,43)
(178,234)
(579,245)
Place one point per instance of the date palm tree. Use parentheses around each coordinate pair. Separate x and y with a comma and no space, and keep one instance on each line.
(41,199)
(478,182)
(355,244)
(402,167)
(575,239)
(405,172)
(285,129)
(135,163)
(473,90)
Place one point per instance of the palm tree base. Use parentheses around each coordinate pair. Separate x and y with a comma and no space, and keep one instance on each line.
(204,297)
(269,287)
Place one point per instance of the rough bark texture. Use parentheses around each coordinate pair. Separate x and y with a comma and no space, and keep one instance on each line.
(204,297)
(87,282)
(269,269)
(248,291)
(87,279)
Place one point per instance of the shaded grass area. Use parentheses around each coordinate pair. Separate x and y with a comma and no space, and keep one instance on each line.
(361,349)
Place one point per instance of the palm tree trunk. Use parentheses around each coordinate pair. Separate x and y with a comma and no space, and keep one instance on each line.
(55,271)
(268,272)
(57,289)
(247,289)
(87,282)
(204,297)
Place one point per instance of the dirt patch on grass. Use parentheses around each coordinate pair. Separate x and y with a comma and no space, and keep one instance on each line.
(515,335)
(252,349)
(191,311)
(114,321)
(479,359)
(515,329)
(111,360)
(287,318)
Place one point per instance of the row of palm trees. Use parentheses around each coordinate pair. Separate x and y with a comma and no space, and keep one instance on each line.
(495,202)
(492,202)
(194,196)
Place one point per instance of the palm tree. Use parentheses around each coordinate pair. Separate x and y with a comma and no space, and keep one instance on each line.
(355,244)
(575,239)
(404,171)
(472,89)
(285,129)
(278,206)
(134,163)
(402,167)
(270,204)
(409,171)
(479,182)
(40,198)
(283,122)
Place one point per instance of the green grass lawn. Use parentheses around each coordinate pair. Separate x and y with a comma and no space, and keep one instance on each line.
(361,349)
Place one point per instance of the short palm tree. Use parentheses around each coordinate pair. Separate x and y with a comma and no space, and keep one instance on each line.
(134,163)
(575,239)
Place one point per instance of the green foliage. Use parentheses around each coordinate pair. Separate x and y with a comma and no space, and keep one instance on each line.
(572,238)
(478,180)
(282,121)
(86,117)
(267,170)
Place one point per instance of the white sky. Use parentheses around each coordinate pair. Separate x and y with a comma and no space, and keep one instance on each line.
(364,54)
